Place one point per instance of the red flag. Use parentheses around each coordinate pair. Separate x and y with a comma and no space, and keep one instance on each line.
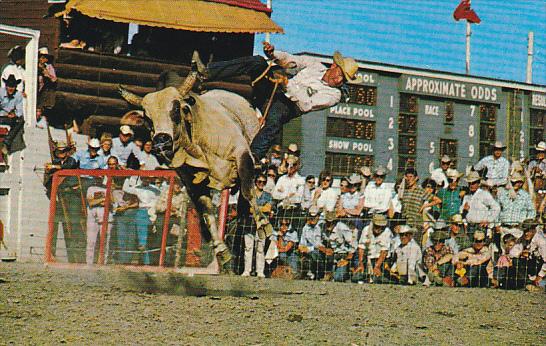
(463,11)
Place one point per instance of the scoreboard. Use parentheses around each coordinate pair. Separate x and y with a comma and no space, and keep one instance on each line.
(401,117)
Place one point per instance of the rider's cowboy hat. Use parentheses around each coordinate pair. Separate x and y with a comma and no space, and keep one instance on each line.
(349,68)
(11,81)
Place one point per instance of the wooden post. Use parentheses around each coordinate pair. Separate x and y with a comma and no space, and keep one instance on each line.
(166,223)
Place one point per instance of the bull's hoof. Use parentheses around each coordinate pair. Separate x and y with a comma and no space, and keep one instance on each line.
(224,261)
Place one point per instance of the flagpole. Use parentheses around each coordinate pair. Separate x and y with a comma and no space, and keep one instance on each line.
(468,33)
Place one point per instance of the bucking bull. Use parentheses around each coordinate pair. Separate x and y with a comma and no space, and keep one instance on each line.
(206,139)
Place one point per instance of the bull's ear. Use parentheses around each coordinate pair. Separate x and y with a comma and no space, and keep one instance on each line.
(175,112)
(133,118)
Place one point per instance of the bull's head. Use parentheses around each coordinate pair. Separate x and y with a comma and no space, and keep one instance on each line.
(170,112)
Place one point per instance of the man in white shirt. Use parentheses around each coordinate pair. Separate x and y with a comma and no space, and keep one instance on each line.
(439,175)
(289,192)
(123,145)
(325,197)
(379,197)
(408,257)
(375,242)
(479,207)
(313,87)
(497,166)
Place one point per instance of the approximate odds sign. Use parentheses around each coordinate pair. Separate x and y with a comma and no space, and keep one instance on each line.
(348,146)
(448,88)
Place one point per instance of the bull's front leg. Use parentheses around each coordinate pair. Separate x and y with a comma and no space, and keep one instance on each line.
(223,255)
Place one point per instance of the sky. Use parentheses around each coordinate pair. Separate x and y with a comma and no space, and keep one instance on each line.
(418,33)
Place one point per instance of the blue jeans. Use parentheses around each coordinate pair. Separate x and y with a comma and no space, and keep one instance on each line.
(342,273)
(143,223)
(126,234)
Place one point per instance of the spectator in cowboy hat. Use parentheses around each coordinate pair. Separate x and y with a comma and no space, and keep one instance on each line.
(15,67)
(90,158)
(123,146)
(437,260)
(11,100)
(314,86)
(451,195)
(379,197)
(407,258)
(471,263)
(440,174)
(375,244)
(315,248)
(479,206)
(497,166)
(457,240)
(537,172)
(516,205)
(366,174)
(11,115)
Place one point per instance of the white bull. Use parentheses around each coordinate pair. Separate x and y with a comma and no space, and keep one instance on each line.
(206,138)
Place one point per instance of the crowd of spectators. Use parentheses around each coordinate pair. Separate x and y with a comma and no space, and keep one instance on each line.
(137,204)
(481,228)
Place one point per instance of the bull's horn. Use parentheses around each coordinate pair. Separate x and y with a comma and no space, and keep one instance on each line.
(133,99)
(188,83)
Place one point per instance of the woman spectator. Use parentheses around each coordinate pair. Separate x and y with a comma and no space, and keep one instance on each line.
(325,198)
(47,83)
(271,179)
(308,190)
(253,238)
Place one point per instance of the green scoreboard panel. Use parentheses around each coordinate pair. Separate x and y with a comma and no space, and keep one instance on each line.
(412,118)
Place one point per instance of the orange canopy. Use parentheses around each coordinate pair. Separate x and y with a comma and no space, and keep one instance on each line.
(192,15)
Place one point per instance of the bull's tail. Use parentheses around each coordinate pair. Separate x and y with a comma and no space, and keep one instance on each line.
(245,169)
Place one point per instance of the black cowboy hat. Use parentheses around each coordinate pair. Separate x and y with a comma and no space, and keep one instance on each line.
(11,81)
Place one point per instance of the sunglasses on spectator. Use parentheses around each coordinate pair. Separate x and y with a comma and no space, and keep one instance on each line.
(327,179)
(479,241)
(272,175)
(261,181)
(311,182)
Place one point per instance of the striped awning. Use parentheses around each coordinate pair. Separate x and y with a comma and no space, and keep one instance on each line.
(191,15)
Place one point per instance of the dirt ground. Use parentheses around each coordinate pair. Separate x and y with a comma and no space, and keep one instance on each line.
(45,305)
